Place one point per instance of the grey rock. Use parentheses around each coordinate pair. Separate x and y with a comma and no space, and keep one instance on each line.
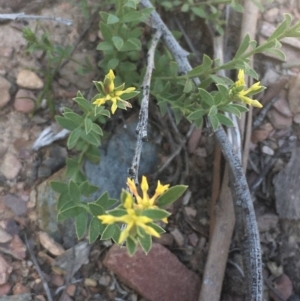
(21,297)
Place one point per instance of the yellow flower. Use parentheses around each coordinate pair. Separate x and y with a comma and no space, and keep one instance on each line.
(238,91)
(131,219)
(112,93)
(146,202)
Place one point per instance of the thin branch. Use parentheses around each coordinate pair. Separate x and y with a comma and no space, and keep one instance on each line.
(38,269)
(141,129)
(243,204)
(248,233)
(23,16)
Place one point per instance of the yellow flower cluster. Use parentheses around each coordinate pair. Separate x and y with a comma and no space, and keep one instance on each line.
(134,210)
(239,92)
(112,93)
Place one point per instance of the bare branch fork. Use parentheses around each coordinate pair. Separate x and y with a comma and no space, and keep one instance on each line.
(142,125)
(23,16)
(243,204)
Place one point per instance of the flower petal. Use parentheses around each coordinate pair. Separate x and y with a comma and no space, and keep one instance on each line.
(128,201)
(241,78)
(114,105)
(131,185)
(107,219)
(99,101)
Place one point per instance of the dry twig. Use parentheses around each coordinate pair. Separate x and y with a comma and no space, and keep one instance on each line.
(23,16)
(38,269)
(144,111)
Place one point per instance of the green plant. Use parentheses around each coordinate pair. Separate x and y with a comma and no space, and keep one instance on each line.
(211,99)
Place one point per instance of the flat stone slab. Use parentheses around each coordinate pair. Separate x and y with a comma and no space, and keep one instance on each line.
(156,276)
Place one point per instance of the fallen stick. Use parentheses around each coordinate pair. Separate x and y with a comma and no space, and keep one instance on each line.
(249,236)
(23,16)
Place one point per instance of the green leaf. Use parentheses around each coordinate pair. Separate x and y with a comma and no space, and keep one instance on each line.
(206,97)
(131,246)
(106,202)
(131,44)
(118,42)
(243,47)
(84,105)
(74,191)
(131,4)
(185,7)
(105,46)
(95,229)
(74,117)
(81,224)
(188,87)
(203,68)
(278,53)
(129,95)
(95,209)
(157,228)
(92,154)
(86,188)
(69,210)
(116,234)
(173,69)
(225,120)
(145,242)
(73,138)
(281,28)
(213,111)
(113,63)
(231,109)
(171,195)
(223,89)
(118,212)
(97,129)
(105,31)
(88,124)
(131,17)
(108,232)
(112,19)
(225,81)
(214,122)
(66,123)
(91,138)
(199,11)
(59,187)
(241,108)
(156,214)
(196,115)
(63,199)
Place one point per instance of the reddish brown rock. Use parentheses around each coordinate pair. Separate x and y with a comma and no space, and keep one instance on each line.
(5,270)
(282,104)
(284,288)
(15,248)
(20,288)
(4,87)
(279,121)
(262,133)
(24,101)
(4,289)
(156,276)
